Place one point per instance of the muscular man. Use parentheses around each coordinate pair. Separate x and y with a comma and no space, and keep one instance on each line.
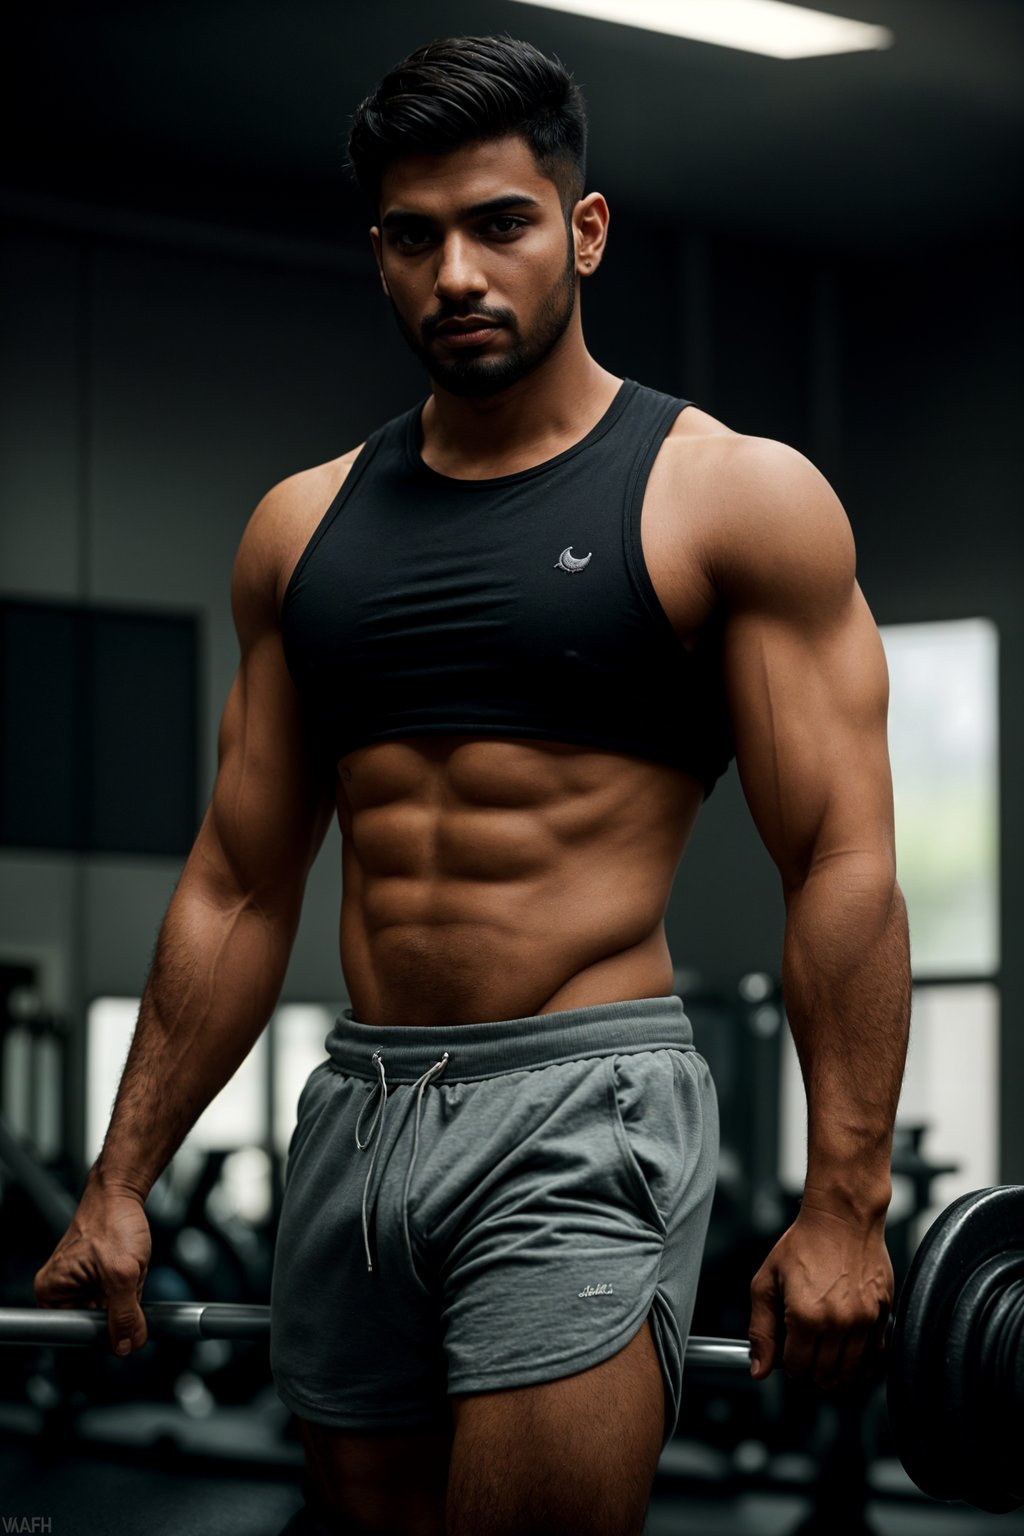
(511,641)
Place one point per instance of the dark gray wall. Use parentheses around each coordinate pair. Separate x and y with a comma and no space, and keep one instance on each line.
(157,382)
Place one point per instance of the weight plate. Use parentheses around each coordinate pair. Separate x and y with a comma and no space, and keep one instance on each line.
(1004,1369)
(980,1387)
(974,1229)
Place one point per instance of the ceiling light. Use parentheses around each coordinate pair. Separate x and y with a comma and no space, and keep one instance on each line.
(770,27)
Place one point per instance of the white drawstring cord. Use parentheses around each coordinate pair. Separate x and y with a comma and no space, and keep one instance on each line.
(435,1071)
(376,1123)
(375,1135)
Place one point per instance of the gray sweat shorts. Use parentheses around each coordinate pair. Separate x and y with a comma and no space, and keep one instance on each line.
(486,1206)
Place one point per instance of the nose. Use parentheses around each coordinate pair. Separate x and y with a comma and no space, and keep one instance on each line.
(459,275)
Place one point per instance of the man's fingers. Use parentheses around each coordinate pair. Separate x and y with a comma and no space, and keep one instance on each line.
(820,1305)
(799,1349)
(832,1356)
(125,1321)
(46,1294)
(126,1324)
(863,1349)
(53,1288)
(102,1261)
(875,1345)
(764,1328)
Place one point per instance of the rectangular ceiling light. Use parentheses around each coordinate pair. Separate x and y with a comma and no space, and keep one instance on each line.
(771,27)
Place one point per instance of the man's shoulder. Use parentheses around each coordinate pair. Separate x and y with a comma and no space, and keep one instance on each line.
(695,424)
(737,458)
(299,493)
(746,482)
(759,511)
(282,524)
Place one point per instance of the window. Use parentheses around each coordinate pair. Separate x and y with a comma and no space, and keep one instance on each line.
(943,741)
(236,1117)
(299,1033)
(266,1086)
(951,1088)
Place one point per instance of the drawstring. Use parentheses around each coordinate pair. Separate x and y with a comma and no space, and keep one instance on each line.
(435,1071)
(377,1121)
(376,1126)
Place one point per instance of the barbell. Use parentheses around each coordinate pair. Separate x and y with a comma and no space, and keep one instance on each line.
(230,1320)
(955,1356)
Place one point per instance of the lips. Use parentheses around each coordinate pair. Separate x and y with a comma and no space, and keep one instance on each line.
(468,323)
(467,333)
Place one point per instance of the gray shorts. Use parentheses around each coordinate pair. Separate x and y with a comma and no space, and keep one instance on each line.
(484,1206)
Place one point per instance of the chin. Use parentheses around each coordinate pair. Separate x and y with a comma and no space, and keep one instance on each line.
(477,381)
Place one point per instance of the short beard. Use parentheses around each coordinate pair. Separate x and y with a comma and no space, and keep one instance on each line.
(476,378)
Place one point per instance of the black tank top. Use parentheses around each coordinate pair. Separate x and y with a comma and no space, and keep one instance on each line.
(516,607)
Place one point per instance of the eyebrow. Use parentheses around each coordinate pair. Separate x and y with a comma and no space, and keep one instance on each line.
(475,210)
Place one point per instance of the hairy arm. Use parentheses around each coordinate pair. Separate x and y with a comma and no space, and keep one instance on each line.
(808,691)
(222,950)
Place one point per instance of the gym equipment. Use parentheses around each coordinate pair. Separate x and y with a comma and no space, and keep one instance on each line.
(57,1327)
(955,1358)
(52,1202)
(956,1370)
(61,1327)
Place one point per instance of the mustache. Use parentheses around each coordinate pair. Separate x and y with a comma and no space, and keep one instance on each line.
(474,311)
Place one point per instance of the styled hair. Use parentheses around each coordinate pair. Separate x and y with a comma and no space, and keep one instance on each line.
(462,90)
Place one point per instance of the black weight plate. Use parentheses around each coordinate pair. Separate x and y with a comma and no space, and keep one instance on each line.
(979,1388)
(974,1229)
(1003,1367)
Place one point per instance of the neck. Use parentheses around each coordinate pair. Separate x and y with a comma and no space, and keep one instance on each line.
(556,404)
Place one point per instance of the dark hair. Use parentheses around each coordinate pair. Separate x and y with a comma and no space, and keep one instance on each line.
(458,90)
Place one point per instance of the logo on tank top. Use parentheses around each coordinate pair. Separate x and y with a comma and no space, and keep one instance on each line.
(568,562)
(595,1290)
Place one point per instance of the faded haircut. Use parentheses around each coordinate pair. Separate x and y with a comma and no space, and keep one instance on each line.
(465,90)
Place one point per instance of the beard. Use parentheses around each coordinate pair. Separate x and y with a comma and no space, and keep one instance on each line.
(475,378)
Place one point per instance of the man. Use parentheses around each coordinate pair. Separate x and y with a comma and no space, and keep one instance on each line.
(511,641)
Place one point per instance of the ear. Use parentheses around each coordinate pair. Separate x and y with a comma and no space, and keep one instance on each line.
(590,219)
(378,252)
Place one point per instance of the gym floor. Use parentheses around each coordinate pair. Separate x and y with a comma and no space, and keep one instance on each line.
(122,1484)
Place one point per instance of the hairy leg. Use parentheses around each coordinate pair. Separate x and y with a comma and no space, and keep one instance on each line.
(574,1457)
(388,1483)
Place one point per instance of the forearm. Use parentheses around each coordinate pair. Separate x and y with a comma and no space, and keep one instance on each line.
(846,982)
(215,979)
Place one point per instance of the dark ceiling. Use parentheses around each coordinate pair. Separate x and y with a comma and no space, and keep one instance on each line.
(236,111)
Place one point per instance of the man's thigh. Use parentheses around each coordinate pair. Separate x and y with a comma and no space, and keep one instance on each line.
(388,1483)
(573,1457)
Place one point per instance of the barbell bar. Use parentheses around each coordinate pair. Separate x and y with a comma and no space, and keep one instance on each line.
(955,1356)
(61,1327)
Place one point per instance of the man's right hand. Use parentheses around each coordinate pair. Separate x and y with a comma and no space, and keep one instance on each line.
(101,1261)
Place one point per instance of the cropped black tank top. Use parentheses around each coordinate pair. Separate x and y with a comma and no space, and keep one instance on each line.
(517,607)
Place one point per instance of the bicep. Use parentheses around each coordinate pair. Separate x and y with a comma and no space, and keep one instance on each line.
(807,684)
(273,795)
(272,800)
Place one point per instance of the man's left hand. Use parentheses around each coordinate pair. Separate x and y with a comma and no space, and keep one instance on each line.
(820,1301)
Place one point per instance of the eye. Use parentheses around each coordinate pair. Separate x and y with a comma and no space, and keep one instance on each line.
(505,224)
(413,237)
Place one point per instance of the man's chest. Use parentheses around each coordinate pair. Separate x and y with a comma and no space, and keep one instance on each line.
(568,604)
(461,560)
